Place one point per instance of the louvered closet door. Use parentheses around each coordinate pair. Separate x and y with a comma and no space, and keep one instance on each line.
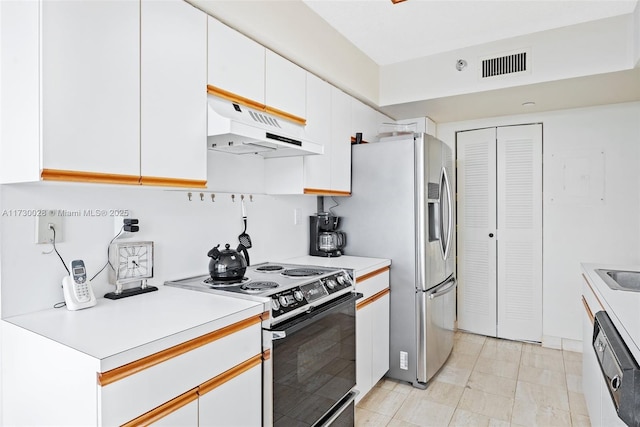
(476,213)
(500,232)
(519,172)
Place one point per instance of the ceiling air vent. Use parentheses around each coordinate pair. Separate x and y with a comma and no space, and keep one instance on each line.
(505,64)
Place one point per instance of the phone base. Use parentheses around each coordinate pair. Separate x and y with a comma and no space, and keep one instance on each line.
(130,292)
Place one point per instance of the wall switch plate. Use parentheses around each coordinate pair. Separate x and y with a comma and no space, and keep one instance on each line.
(404,360)
(297,216)
(44,234)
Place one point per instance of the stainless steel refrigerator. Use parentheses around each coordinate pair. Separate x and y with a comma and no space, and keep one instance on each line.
(402,208)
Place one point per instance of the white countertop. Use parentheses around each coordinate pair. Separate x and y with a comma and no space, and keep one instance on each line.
(623,307)
(119,331)
(361,265)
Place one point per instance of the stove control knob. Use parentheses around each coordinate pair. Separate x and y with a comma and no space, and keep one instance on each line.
(298,296)
(283,301)
(330,283)
(342,280)
(275,304)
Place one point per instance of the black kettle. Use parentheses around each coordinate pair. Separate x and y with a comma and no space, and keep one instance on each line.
(227,264)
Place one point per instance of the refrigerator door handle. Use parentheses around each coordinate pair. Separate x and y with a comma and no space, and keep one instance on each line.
(446,242)
(445,288)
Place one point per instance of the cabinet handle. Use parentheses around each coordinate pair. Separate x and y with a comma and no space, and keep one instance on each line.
(588,309)
(372,298)
(372,274)
(116,374)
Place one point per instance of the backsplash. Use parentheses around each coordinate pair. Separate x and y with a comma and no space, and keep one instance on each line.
(182,230)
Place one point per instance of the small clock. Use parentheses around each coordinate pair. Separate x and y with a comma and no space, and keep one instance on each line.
(130,262)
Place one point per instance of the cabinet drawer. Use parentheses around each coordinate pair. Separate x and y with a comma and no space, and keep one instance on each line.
(127,392)
(372,283)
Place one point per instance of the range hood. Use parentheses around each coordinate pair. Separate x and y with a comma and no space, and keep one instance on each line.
(237,129)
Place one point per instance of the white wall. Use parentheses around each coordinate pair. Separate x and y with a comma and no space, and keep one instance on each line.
(183,232)
(581,229)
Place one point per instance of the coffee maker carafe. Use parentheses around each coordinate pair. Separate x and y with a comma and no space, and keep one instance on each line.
(325,239)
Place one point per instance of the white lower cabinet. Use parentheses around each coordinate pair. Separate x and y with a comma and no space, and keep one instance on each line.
(591,376)
(372,330)
(212,379)
(237,402)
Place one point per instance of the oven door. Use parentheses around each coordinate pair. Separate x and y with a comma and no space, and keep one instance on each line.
(314,363)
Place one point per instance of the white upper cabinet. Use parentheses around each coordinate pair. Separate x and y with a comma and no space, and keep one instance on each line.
(173,93)
(236,63)
(90,99)
(285,85)
(341,132)
(367,121)
(122,88)
(318,129)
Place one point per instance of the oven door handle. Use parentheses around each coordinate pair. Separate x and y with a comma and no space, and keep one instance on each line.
(278,335)
(295,324)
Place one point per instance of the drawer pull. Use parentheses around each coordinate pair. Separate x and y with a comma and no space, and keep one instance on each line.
(586,307)
(372,274)
(163,410)
(372,298)
(108,377)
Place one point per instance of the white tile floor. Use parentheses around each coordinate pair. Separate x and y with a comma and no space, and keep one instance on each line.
(486,382)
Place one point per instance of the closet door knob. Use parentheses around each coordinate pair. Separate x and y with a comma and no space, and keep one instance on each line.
(490,234)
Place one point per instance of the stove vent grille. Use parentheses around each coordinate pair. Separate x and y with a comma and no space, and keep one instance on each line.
(264,119)
(505,64)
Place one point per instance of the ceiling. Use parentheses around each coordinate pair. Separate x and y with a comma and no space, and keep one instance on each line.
(389,33)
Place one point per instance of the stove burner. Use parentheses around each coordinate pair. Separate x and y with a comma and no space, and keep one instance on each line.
(270,268)
(301,272)
(209,281)
(259,286)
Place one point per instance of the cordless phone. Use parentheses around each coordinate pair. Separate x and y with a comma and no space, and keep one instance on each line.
(77,291)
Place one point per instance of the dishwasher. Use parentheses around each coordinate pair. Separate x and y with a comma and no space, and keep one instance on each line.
(619,369)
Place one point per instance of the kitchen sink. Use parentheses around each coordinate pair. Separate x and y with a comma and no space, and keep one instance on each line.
(620,280)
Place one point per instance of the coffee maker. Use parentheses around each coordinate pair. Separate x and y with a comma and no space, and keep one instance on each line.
(324,238)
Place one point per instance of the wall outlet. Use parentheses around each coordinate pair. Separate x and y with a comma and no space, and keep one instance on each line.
(404,360)
(44,233)
(118,222)
(297,216)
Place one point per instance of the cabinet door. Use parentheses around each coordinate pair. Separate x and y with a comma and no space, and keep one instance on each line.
(365,120)
(364,337)
(173,92)
(285,85)
(380,338)
(91,86)
(340,141)
(318,129)
(237,402)
(591,375)
(236,63)
(20,94)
